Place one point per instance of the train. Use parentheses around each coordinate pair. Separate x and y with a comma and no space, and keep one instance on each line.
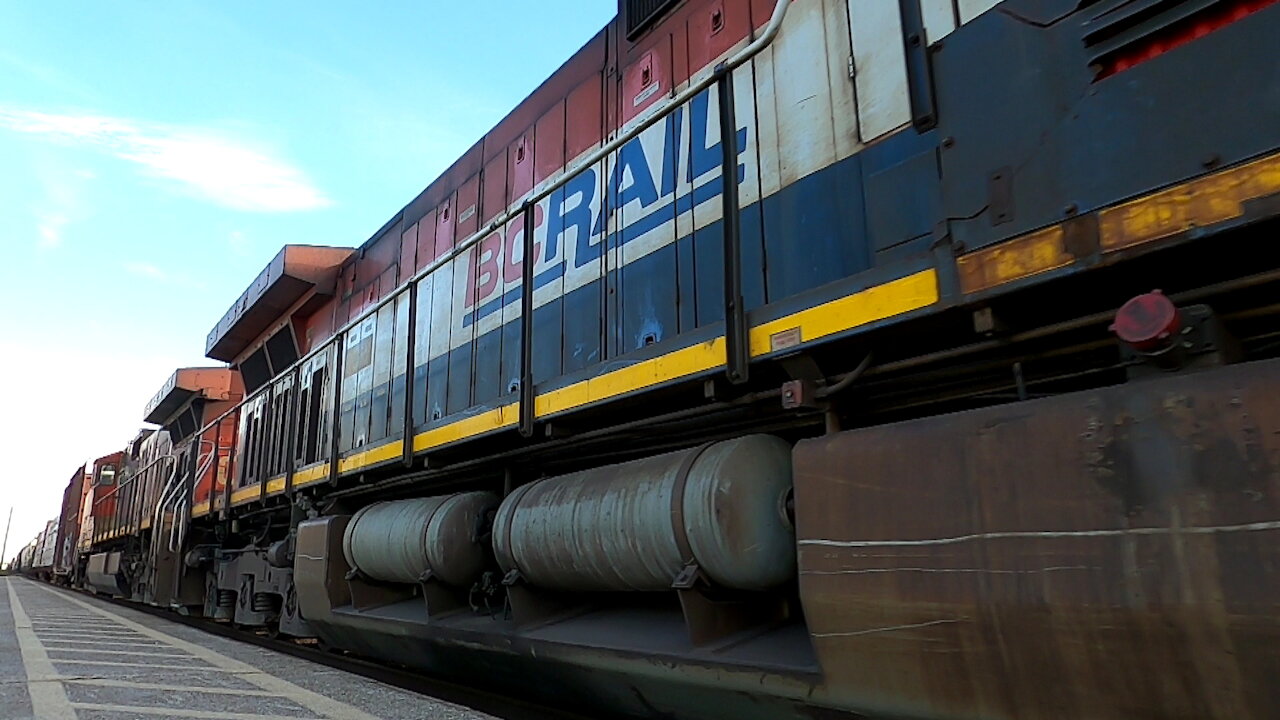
(773,359)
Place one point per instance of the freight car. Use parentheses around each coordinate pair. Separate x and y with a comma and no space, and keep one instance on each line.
(777,359)
(26,557)
(44,546)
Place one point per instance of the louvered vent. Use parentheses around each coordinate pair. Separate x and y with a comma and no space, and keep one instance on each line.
(640,14)
(1122,33)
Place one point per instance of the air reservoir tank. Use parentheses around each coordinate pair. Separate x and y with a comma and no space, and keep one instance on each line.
(636,525)
(402,540)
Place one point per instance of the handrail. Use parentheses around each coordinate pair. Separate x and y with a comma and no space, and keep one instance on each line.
(179,502)
(144,468)
(765,39)
(166,496)
(157,513)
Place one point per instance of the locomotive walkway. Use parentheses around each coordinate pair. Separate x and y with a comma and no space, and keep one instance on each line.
(68,657)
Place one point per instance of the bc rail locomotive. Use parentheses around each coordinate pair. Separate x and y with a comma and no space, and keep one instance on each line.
(774,359)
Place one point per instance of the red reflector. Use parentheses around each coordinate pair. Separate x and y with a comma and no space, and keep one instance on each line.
(1147,321)
(1196,26)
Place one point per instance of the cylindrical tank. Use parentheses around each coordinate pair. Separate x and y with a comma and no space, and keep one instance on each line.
(636,525)
(403,540)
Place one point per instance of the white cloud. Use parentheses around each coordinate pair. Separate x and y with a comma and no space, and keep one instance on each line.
(49,226)
(239,242)
(157,274)
(146,270)
(222,169)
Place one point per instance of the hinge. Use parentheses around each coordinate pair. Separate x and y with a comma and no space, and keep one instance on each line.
(852,72)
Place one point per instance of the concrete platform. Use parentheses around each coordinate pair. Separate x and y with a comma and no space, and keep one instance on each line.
(66,656)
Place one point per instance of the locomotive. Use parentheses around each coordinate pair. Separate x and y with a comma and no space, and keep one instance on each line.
(775,359)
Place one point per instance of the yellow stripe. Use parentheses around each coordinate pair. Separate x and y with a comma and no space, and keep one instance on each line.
(1204,201)
(201,509)
(275,485)
(311,475)
(1024,256)
(246,493)
(476,424)
(683,362)
(861,308)
(378,454)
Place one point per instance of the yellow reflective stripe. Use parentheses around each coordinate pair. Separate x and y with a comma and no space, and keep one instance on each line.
(378,454)
(310,475)
(246,493)
(501,417)
(677,364)
(1201,202)
(861,308)
(201,509)
(1204,201)
(275,485)
(1028,255)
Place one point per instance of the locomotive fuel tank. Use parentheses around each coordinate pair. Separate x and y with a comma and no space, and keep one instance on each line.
(637,525)
(407,541)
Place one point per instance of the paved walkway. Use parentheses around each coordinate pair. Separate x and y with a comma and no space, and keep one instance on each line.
(64,656)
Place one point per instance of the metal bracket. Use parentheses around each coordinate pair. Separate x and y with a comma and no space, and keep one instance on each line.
(689,577)
(924,113)
(799,394)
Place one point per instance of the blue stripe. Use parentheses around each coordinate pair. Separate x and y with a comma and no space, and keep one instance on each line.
(709,190)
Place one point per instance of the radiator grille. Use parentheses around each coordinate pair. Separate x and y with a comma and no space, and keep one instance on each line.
(640,14)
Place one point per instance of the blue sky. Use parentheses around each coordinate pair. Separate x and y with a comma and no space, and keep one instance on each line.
(155,156)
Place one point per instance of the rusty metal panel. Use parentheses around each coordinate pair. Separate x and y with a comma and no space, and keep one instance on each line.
(1109,554)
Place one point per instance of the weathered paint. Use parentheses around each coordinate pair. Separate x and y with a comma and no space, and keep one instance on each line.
(1058,558)
(637,525)
(411,541)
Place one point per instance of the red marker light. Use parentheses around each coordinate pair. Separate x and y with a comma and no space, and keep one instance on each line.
(1147,321)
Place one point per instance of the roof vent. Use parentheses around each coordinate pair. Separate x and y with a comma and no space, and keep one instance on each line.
(639,15)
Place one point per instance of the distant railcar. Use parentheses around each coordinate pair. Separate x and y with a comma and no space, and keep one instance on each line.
(956,400)
(64,560)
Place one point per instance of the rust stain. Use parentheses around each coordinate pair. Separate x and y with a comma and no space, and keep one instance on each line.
(1110,554)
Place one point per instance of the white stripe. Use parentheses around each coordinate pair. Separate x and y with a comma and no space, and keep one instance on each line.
(146,651)
(182,712)
(890,628)
(48,697)
(110,663)
(135,643)
(985,571)
(65,630)
(315,702)
(1032,534)
(116,683)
